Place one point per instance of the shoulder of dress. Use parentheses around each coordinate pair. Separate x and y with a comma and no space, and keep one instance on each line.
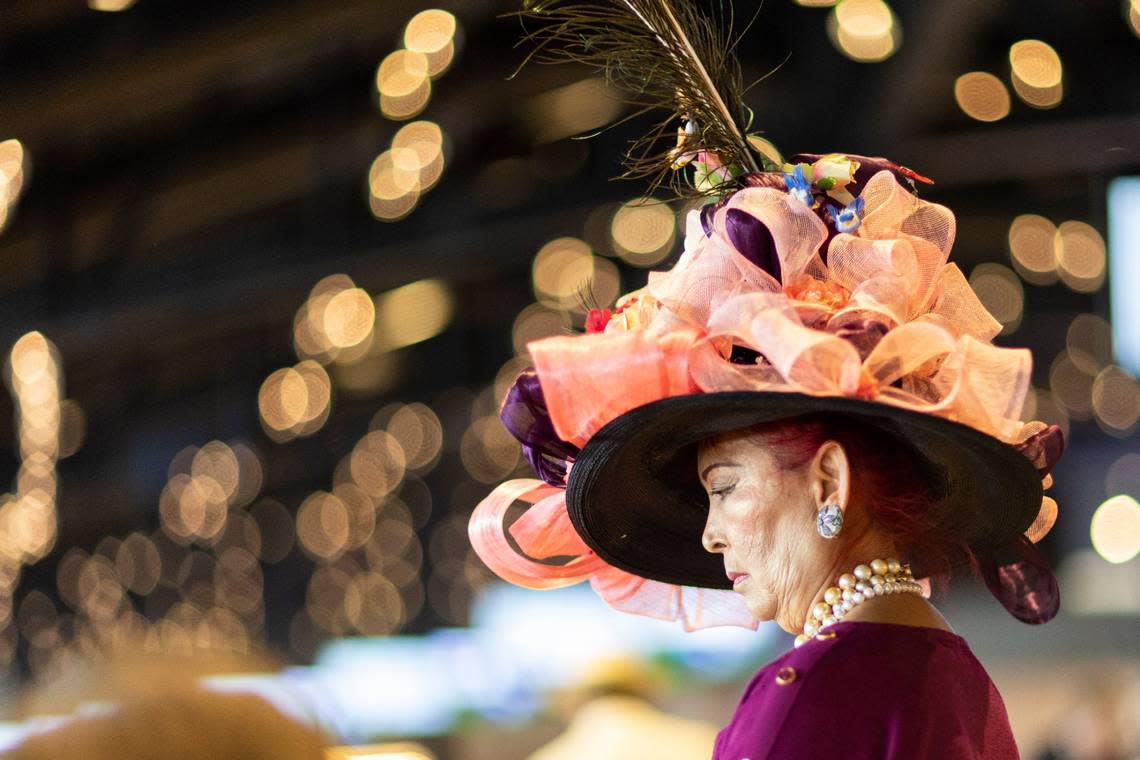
(796,667)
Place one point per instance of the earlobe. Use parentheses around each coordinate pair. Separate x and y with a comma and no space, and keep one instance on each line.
(831,475)
(830,485)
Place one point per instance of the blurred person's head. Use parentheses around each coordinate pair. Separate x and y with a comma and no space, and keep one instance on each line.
(624,677)
(119,675)
(181,724)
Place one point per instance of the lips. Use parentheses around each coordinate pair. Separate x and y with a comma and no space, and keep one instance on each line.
(737,579)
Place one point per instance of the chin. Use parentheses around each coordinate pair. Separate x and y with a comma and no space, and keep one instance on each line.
(761,605)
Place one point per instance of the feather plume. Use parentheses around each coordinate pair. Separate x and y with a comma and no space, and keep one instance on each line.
(665,55)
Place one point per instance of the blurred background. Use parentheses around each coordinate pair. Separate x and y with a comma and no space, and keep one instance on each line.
(267,268)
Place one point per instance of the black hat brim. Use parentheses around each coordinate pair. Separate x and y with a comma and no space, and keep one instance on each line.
(634,496)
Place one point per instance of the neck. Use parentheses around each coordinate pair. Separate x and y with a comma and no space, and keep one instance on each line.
(792,614)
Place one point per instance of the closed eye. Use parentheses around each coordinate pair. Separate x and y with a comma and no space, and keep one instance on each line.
(722,491)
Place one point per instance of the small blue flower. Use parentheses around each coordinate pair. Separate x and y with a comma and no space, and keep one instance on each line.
(798,186)
(849,219)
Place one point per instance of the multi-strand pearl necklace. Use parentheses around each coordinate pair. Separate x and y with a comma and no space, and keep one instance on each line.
(877,578)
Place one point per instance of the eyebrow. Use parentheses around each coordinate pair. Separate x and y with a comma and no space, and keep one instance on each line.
(713,466)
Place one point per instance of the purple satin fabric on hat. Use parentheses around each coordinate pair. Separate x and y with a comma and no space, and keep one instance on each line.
(871,691)
(753,240)
(1021,579)
(525,416)
(863,334)
(1019,576)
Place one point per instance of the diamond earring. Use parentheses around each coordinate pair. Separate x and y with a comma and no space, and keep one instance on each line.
(829,520)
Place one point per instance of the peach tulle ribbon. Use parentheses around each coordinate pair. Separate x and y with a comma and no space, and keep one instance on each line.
(544,532)
(928,350)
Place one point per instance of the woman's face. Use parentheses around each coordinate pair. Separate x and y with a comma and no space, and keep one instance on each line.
(761,518)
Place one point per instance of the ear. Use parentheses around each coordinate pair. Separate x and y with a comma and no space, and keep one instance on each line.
(831,475)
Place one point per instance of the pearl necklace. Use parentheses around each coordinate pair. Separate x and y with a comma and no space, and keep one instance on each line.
(877,578)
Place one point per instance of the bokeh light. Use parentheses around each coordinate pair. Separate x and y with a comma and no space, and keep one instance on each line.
(377,464)
(250,477)
(1089,341)
(1116,401)
(323,525)
(13,176)
(864,30)
(572,109)
(72,427)
(537,321)
(424,140)
(192,508)
(1032,249)
(28,520)
(1036,73)
(643,231)
(241,532)
(394,184)
(238,582)
(336,323)
(1081,257)
(1071,386)
(1115,529)
(560,270)
(1042,405)
(1000,291)
(394,208)
(488,452)
(216,460)
(569,277)
(295,401)
(419,433)
(413,313)
(403,83)
(982,96)
(360,512)
(110,6)
(432,33)
(348,318)
(324,600)
(138,564)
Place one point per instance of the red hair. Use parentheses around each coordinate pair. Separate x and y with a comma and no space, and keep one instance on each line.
(896,486)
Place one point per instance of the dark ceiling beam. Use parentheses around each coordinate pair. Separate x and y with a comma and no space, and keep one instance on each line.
(137,207)
(153,90)
(23,18)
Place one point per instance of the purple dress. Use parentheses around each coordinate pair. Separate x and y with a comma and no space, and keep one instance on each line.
(871,690)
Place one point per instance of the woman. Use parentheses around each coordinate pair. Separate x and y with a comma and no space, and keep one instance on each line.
(891,679)
(794,424)
(798,422)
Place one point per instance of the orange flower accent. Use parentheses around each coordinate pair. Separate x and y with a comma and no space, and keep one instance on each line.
(808,289)
(868,385)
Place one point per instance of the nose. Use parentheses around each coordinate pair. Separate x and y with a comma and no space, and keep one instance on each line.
(713,537)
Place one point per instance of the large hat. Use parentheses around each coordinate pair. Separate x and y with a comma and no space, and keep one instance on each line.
(820,288)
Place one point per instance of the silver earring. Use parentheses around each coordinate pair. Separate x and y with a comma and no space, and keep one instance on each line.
(829,520)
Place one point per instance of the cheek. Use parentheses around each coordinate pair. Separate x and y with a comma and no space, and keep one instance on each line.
(750,519)
(760,524)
